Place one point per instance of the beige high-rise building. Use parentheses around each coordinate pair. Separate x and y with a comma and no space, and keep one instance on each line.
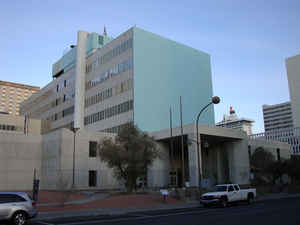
(12,94)
(293,75)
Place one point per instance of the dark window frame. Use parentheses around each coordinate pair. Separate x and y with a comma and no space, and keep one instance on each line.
(93,149)
(92,178)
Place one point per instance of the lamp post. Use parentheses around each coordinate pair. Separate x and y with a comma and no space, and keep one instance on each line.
(74,144)
(214,100)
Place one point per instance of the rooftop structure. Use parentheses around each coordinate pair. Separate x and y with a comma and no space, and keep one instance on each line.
(232,121)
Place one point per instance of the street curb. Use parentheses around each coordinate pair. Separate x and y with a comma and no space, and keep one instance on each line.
(123,211)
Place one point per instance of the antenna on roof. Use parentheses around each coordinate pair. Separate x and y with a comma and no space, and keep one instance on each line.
(231,111)
(104,32)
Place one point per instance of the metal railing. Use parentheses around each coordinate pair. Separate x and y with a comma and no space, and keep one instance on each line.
(289,135)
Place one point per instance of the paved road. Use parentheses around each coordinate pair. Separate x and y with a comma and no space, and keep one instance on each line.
(283,211)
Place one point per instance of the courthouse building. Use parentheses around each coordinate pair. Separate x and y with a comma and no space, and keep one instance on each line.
(104,83)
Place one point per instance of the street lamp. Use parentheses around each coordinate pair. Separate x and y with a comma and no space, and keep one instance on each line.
(214,100)
(73,174)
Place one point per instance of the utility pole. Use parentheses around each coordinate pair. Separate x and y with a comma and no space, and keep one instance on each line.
(182,146)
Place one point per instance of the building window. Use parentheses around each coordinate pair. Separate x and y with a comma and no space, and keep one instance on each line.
(249,152)
(93,149)
(92,178)
(278,154)
(65,83)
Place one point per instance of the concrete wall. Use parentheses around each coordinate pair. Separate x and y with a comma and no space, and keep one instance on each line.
(158,172)
(34,125)
(238,161)
(272,147)
(58,161)
(51,163)
(19,155)
(163,69)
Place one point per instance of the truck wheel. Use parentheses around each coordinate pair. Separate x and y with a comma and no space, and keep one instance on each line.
(224,203)
(250,199)
(19,218)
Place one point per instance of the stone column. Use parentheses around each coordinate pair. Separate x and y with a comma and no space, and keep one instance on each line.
(193,161)
(80,80)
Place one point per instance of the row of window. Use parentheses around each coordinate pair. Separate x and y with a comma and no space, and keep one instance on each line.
(101,96)
(109,112)
(279,123)
(61,114)
(108,56)
(65,83)
(277,111)
(113,71)
(66,97)
(272,129)
(7,127)
(278,115)
(277,107)
(279,119)
(115,51)
(115,90)
(116,129)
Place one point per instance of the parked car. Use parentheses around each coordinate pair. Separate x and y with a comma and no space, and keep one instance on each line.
(228,193)
(17,207)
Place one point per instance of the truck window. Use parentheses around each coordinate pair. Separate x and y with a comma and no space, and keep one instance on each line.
(230,188)
(236,187)
(221,188)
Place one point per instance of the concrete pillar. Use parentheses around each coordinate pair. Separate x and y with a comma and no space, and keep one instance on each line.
(193,161)
(80,80)
(238,161)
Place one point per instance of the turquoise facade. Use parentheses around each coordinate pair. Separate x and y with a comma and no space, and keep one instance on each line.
(68,60)
(164,70)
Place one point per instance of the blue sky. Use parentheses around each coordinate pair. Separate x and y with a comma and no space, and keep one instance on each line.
(248,40)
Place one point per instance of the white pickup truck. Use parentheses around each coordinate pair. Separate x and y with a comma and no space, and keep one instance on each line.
(228,193)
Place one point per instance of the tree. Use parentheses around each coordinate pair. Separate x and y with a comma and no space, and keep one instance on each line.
(266,167)
(129,154)
(277,169)
(293,168)
(261,161)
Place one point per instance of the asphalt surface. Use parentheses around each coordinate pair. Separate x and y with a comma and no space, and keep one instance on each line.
(282,211)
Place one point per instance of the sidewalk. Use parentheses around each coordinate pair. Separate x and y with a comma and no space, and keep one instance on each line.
(122,204)
(103,204)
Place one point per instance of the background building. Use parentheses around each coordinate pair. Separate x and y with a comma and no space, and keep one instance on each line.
(12,94)
(277,116)
(293,74)
(282,121)
(232,121)
(122,80)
